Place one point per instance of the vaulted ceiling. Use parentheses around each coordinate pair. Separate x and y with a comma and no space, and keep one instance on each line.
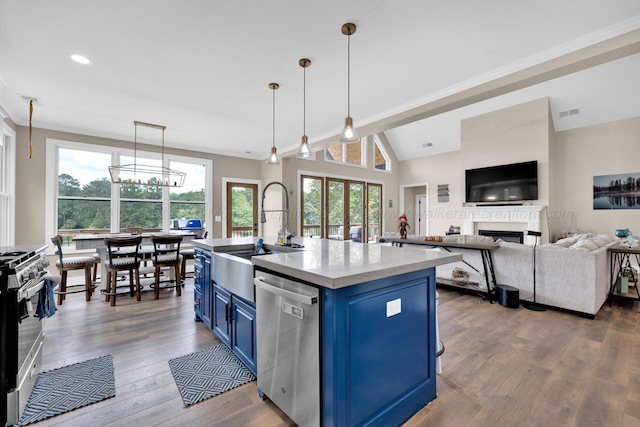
(202,67)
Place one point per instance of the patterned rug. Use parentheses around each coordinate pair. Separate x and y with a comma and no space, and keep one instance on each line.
(207,373)
(70,387)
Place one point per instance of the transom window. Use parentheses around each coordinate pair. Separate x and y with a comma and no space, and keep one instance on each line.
(351,154)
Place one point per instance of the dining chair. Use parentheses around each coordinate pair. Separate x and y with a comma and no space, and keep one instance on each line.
(122,255)
(166,253)
(66,264)
(188,254)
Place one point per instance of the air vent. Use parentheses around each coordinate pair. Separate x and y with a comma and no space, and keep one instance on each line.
(571,112)
(27,99)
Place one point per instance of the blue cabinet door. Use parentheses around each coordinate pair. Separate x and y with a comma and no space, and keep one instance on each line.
(378,350)
(222,314)
(244,332)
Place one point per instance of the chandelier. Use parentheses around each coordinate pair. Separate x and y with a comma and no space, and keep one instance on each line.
(139,174)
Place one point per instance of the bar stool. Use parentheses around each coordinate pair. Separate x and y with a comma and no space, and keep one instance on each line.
(122,255)
(66,264)
(186,255)
(166,253)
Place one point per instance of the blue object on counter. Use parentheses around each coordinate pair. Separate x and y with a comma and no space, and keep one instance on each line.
(259,247)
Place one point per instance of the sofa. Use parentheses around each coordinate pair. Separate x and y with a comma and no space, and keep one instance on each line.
(571,274)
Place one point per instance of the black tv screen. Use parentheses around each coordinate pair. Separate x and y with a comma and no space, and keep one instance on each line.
(505,183)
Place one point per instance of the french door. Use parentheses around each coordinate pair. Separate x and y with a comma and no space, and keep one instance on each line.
(242,209)
(340,209)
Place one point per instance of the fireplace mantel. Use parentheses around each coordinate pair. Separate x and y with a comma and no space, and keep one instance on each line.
(532,216)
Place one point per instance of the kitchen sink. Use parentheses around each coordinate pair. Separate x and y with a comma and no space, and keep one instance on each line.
(233,270)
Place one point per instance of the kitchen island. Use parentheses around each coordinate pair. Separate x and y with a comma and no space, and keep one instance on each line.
(357,345)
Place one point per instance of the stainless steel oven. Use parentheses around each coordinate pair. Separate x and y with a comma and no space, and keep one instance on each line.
(22,273)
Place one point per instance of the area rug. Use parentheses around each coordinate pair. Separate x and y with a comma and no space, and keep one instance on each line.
(207,373)
(70,387)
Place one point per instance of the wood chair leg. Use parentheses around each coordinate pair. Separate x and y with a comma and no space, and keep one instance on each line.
(87,283)
(114,288)
(178,281)
(183,269)
(132,291)
(156,287)
(107,288)
(138,291)
(62,287)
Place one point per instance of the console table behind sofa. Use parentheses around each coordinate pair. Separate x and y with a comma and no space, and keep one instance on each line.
(485,247)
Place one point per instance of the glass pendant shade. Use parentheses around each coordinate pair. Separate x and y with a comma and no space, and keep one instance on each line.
(273,157)
(304,151)
(349,133)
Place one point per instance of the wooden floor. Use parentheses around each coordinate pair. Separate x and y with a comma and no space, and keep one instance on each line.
(501,366)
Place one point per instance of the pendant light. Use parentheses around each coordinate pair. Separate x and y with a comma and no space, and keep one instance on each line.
(349,133)
(273,158)
(304,151)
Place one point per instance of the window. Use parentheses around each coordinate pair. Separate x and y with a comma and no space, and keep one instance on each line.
(381,160)
(311,203)
(84,192)
(7,186)
(82,199)
(188,201)
(351,154)
(338,208)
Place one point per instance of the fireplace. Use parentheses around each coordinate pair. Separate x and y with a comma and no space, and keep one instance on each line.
(507,236)
(518,218)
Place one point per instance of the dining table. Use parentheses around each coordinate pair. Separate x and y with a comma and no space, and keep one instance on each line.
(96,241)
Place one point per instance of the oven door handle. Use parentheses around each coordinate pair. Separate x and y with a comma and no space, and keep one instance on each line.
(31,291)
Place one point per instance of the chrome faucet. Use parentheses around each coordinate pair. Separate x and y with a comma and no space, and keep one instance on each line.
(263,216)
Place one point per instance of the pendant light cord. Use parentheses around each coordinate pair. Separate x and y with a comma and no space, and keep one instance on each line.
(274,117)
(304,100)
(349,76)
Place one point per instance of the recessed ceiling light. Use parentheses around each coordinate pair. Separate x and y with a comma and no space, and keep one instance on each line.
(80,59)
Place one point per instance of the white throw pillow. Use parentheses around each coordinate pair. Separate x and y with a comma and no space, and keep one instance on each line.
(603,240)
(585,244)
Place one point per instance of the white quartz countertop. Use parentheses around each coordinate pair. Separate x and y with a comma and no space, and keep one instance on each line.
(335,264)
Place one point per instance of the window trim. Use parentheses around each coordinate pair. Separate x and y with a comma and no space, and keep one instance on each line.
(51,182)
(377,142)
(8,171)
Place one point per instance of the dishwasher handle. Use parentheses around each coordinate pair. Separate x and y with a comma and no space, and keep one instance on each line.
(304,299)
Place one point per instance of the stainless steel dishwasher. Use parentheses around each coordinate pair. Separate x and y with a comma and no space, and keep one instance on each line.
(288,342)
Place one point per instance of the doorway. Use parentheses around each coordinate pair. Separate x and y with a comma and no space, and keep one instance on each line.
(414,202)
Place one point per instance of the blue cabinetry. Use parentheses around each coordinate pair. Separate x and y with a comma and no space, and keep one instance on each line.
(234,323)
(243,329)
(202,286)
(221,314)
(378,350)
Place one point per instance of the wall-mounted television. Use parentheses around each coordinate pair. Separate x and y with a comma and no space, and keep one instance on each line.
(514,182)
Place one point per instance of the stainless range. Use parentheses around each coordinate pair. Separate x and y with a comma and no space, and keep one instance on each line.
(22,271)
